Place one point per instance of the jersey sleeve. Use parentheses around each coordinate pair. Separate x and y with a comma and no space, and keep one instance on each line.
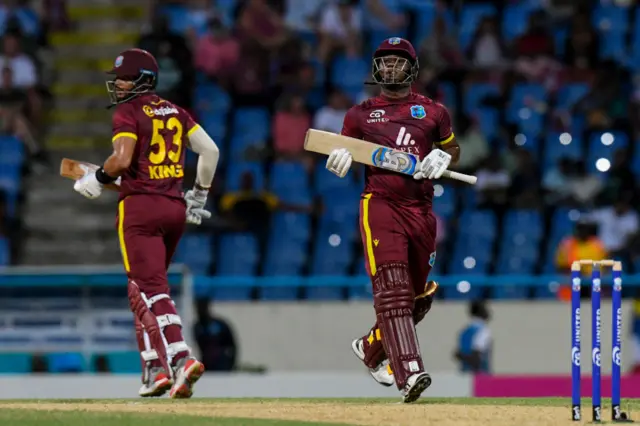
(351,124)
(445,132)
(124,122)
(189,123)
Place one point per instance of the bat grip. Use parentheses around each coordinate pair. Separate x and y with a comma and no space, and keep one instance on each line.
(460,176)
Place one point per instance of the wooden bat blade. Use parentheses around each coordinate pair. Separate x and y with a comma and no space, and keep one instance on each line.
(372,154)
(71,169)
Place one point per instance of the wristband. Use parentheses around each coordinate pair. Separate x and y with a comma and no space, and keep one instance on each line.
(103,177)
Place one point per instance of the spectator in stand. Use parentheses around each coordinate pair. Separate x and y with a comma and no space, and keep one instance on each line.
(525,187)
(217,52)
(441,51)
(260,25)
(583,244)
(584,186)
(556,182)
(303,16)
(24,73)
(331,116)
(617,226)
(290,125)
(493,183)
(385,15)
(476,147)
(581,45)
(487,50)
(340,24)
(215,339)
(475,341)
(174,58)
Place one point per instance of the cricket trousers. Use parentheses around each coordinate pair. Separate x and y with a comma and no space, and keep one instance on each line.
(149,229)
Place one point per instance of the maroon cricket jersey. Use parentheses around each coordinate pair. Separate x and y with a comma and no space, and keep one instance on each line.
(412,124)
(161,131)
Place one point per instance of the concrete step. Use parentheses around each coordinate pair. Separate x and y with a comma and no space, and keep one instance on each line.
(59,131)
(91,52)
(69,222)
(93,64)
(82,77)
(75,116)
(79,90)
(127,25)
(85,102)
(93,38)
(78,252)
(78,10)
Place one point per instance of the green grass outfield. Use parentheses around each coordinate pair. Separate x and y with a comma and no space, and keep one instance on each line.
(296,412)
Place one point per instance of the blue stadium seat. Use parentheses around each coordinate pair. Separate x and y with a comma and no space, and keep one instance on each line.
(425,15)
(251,123)
(568,95)
(604,145)
(515,20)
(471,292)
(291,226)
(478,225)
(11,151)
(444,202)
(215,126)
(559,37)
(613,46)
(348,74)
(285,255)
(559,145)
(470,17)
(488,119)
(474,93)
(288,175)
(178,15)
(237,288)
(506,292)
(211,100)
(448,92)
(345,227)
(331,259)
(326,182)
(5,253)
(238,254)
(342,204)
(610,18)
(526,222)
(195,251)
(15,363)
(237,169)
(523,110)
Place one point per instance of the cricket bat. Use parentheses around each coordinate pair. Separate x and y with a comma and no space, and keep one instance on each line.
(372,154)
(71,169)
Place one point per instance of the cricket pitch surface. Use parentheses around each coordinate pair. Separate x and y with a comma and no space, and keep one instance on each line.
(297,412)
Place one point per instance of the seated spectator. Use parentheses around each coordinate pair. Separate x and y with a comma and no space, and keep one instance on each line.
(175,61)
(581,45)
(217,52)
(302,16)
(20,16)
(331,116)
(259,24)
(493,183)
(487,51)
(606,106)
(524,190)
(583,244)
(249,209)
(476,147)
(441,50)
(12,120)
(290,125)
(617,226)
(340,23)
(583,187)
(556,182)
(215,339)
(385,15)
(23,71)
(534,52)
(199,14)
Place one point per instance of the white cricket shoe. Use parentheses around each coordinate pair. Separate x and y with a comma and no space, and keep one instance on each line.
(157,384)
(416,384)
(187,371)
(382,373)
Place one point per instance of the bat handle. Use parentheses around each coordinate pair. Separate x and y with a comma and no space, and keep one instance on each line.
(460,176)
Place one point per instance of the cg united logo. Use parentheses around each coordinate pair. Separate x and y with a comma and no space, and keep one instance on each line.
(615,355)
(377,116)
(595,357)
(575,356)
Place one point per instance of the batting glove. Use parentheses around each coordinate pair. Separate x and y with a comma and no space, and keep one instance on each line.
(433,165)
(196,200)
(339,162)
(88,185)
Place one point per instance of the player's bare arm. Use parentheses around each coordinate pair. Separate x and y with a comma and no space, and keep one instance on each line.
(452,148)
(120,159)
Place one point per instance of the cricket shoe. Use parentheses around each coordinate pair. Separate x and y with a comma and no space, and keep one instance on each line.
(157,384)
(382,373)
(187,371)
(416,384)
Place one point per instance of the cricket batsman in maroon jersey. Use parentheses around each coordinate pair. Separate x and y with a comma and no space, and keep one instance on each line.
(150,135)
(396,220)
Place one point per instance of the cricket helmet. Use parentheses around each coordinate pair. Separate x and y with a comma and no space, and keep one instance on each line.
(395,63)
(137,66)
